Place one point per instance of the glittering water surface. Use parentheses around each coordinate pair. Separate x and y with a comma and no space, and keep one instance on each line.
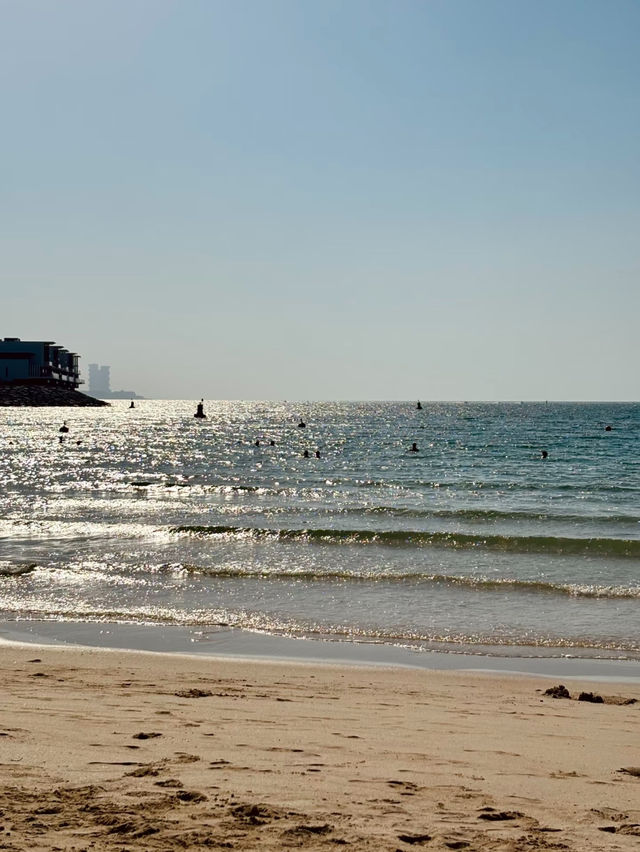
(473,541)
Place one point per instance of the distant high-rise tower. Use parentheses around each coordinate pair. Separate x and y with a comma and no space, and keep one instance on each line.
(99,381)
(100,384)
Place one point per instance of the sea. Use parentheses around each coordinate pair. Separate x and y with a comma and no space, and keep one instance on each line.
(476,544)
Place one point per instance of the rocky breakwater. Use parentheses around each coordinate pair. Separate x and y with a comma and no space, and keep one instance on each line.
(44,395)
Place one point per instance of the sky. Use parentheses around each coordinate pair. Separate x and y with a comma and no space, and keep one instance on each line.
(326,199)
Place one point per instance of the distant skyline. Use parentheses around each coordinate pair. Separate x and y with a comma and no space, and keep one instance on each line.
(294,200)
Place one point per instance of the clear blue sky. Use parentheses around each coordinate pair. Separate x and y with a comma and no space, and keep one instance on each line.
(291,199)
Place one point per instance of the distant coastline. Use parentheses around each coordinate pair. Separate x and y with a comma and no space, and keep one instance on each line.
(15,394)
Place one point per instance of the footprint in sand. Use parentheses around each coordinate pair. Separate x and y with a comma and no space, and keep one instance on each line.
(414,838)
(492,815)
(405,788)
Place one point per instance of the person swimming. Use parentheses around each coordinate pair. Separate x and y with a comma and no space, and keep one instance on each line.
(64,427)
(414,448)
(301,424)
(544,454)
(419,406)
(133,405)
(317,454)
(306,454)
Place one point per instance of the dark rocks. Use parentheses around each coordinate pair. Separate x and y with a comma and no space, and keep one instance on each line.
(559,691)
(592,697)
(12,394)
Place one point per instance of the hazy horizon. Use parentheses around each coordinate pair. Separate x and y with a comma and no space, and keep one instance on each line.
(357,201)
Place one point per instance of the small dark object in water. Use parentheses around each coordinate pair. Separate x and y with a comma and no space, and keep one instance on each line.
(257,444)
(301,424)
(419,406)
(607,428)
(559,691)
(544,454)
(317,454)
(272,443)
(306,454)
(64,427)
(592,697)
(200,410)
(414,448)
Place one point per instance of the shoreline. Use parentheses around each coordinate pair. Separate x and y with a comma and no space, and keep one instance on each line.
(224,643)
(117,750)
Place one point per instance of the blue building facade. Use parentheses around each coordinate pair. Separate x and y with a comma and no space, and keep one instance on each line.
(40,362)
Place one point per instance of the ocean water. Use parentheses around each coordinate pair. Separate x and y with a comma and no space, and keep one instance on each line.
(474,544)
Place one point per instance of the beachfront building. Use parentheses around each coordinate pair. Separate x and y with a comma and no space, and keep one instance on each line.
(38,362)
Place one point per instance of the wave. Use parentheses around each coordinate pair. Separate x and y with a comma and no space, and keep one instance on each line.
(613,547)
(477,583)
(487,515)
(8,569)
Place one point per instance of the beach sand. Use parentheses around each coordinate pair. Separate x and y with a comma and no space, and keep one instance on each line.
(110,750)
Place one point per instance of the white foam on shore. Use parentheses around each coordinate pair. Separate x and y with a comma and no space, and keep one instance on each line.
(228,643)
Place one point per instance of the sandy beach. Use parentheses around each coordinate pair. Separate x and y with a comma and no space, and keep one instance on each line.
(111,750)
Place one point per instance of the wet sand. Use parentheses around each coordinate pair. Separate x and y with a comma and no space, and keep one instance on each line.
(111,750)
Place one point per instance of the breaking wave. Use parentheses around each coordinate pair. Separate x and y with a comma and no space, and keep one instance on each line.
(612,547)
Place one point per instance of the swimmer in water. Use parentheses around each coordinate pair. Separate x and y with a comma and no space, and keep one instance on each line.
(544,454)
(414,448)
(64,427)
(306,454)
(317,454)
(301,424)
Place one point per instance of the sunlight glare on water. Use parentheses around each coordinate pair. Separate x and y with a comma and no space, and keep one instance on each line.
(149,515)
